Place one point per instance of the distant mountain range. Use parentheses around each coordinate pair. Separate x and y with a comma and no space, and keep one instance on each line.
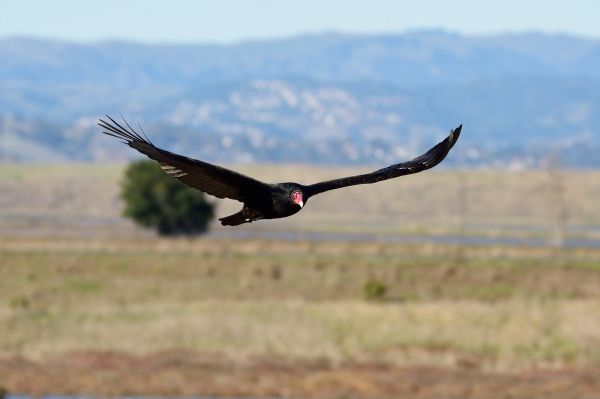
(524,99)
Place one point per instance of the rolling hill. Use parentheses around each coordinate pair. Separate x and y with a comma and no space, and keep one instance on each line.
(331,98)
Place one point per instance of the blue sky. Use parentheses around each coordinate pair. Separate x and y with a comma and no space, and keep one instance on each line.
(226,21)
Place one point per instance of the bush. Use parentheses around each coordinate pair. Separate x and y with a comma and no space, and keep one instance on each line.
(155,200)
(374,290)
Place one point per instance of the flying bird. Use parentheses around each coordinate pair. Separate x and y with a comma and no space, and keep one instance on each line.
(262,200)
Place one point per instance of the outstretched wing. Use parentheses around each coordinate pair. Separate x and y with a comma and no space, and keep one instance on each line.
(426,161)
(212,179)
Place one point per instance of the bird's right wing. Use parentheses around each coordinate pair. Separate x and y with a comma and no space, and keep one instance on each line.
(434,156)
(211,179)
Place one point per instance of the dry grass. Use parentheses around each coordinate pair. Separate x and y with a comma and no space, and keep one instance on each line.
(298,301)
(508,334)
(495,203)
(49,271)
(75,276)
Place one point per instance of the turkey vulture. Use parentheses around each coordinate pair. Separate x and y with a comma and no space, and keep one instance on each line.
(262,200)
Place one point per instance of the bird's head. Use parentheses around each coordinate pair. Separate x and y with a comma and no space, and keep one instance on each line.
(297,197)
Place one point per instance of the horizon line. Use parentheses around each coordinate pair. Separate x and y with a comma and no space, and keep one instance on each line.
(299,35)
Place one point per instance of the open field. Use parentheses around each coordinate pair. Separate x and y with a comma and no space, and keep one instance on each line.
(205,269)
(83,199)
(292,316)
(91,304)
(299,301)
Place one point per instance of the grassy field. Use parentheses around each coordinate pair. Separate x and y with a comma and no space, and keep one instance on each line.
(86,297)
(63,199)
(300,300)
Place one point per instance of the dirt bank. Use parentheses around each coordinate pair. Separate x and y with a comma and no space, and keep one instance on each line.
(186,374)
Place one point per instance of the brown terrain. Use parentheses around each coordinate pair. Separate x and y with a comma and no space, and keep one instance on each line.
(187,374)
(89,304)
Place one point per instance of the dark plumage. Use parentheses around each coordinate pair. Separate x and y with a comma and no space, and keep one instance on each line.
(262,200)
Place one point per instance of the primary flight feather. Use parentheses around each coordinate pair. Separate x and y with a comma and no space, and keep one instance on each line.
(262,200)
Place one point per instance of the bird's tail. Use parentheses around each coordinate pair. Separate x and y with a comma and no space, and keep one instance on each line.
(233,220)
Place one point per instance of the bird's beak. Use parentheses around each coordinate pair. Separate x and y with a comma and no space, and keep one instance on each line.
(300,203)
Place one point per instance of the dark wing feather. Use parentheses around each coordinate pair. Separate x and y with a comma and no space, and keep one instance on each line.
(211,179)
(426,161)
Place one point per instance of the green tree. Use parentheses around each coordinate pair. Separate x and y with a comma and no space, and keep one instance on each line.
(155,200)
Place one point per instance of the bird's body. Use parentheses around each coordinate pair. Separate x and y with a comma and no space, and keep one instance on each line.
(279,206)
(262,200)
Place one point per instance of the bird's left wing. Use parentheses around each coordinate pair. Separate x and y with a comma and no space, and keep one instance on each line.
(426,161)
(212,179)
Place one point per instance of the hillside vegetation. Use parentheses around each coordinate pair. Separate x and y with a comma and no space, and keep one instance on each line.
(333,99)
